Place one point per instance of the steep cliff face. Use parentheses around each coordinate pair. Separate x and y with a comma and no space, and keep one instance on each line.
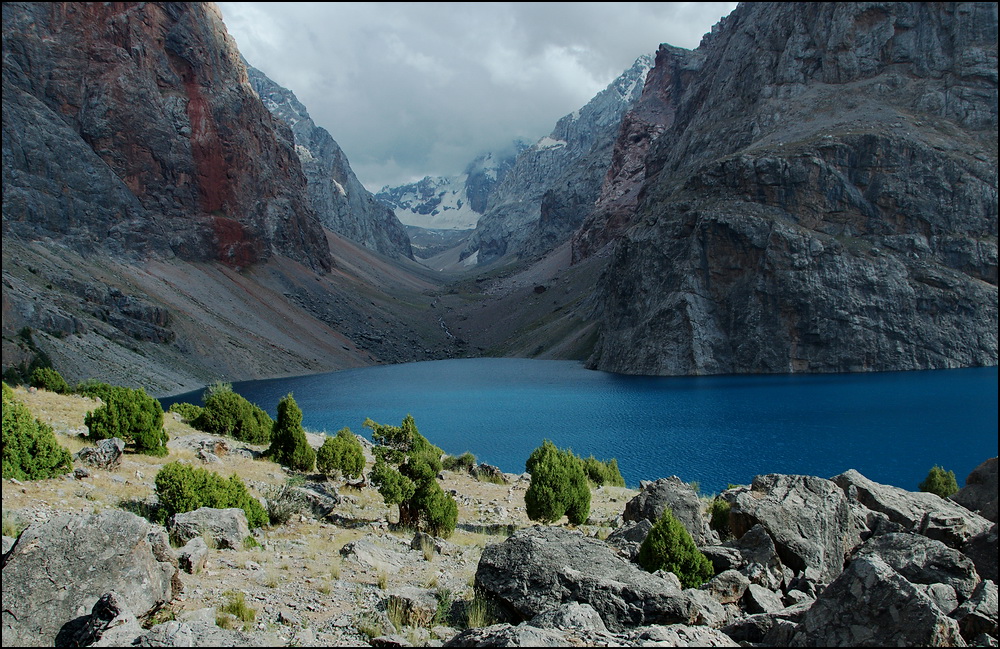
(340,200)
(131,128)
(561,160)
(824,198)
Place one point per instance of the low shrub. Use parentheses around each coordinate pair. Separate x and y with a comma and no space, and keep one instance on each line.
(284,502)
(342,453)
(30,449)
(463,462)
(133,416)
(94,389)
(603,473)
(188,411)
(227,413)
(183,488)
(558,486)
(47,378)
(939,482)
(668,546)
(718,512)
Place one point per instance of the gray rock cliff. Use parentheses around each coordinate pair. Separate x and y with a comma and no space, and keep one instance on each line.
(823,198)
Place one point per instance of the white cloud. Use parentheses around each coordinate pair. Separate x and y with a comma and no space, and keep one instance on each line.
(414,89)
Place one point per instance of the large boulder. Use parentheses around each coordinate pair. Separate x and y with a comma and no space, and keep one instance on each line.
(982,549)
(628,538)
(539,568)
(227,528)
(871,605)
(807,517)
(980,491)
(924,513)
(106,455)
(921,560)
(680,498)
(58,570)
(978,614)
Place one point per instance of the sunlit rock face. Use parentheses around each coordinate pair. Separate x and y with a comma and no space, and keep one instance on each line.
(340,200)
(132,129)
(822,197)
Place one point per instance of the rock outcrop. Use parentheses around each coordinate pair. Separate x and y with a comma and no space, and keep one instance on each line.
(571,162)
(676,495)
(227,528)
(57,571)
(823,200)
(980,491)
(339,199)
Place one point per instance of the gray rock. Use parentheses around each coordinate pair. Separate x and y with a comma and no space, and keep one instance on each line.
(758,599)
(759,558)
(195,633)
(368,552)
(106,455)
(193,555)
(58,570)
(539,568)
(628,538)
(679,497)
(417,605)
(807,517)
(679,635)
(727,587)
(8,543)
(394,640)
(226,527)
(506,635)
(942,595)
(920,512)
(982,549)
(322,498)
(110,624)
(980,491)
(924,561)
(723,557)
(978,614)
(870,604)
(572,615)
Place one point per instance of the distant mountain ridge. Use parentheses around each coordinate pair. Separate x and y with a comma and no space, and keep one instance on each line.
(340,200)
(451,202)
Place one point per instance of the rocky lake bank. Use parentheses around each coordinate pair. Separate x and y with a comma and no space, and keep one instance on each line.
(810,561)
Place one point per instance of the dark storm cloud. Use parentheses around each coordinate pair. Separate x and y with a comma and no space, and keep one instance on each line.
(414,89)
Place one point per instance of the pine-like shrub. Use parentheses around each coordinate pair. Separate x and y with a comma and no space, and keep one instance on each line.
(227,413)
(188,411)
(30,450)
(558,486)
(603,473)
(133,416)
(405,473)
(463,462)
(668,546)
(718,513)
(940,482)
(47,378)
(183,488)
(342,453)
(289,446)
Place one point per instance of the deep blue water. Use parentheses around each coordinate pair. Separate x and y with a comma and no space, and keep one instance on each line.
(892,427)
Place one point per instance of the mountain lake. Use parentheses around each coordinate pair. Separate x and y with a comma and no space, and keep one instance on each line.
(713,430)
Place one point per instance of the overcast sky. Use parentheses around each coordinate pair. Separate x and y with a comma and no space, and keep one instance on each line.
(414,89)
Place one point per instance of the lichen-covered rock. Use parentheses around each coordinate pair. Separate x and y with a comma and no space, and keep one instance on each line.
(727,587)
(678,496)
(628,538)
(191,558)
(980,491)
(982,549)
(228,528)
(110,624)
(978,614)
(540,568)
(58,570)
(807,517)
(871,605)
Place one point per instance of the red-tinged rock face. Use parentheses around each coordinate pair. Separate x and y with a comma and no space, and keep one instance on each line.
(140,116)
